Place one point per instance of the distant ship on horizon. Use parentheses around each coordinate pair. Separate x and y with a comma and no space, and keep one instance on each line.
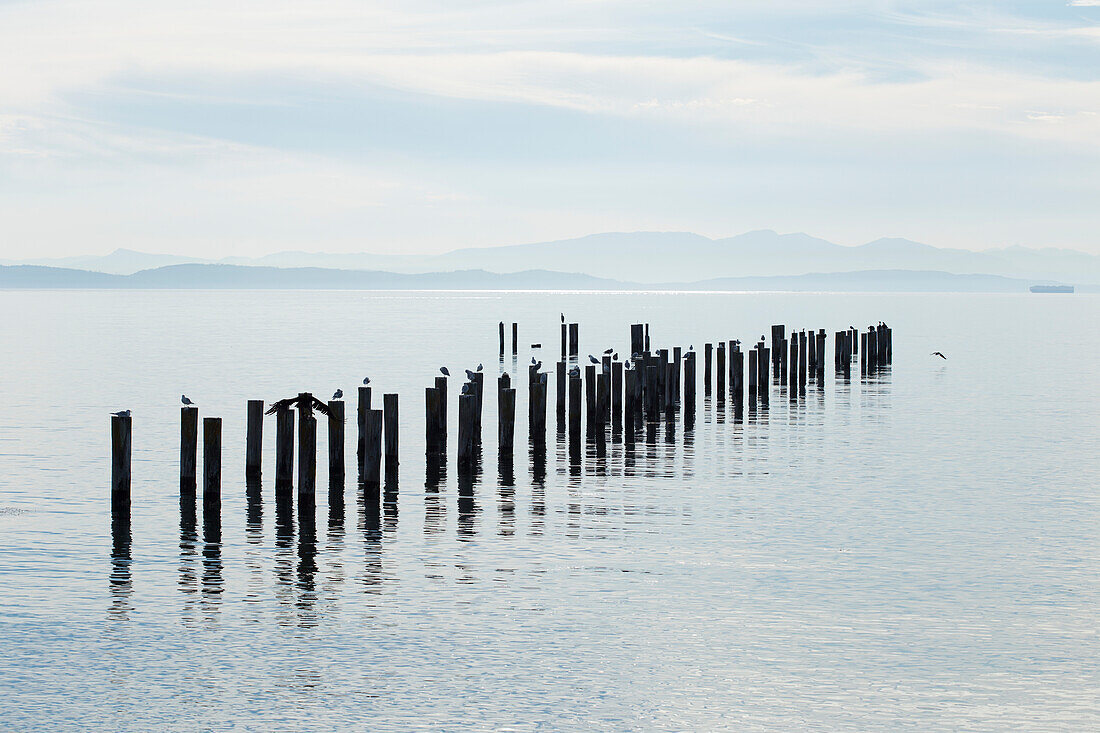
(1051,288)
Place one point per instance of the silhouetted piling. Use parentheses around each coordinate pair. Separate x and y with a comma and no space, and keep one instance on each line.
(189,447)
(707,356)
(434,440)
(637,338)
(537,409)
(689,390)
(477,387)
(720,371)
(737,374)
(336,442)
(361,419)
(211,467)
(616,396)
(441,385)
(575,389)
(792,381)
(754,376)
(506,415)
(467,424)
(254,439)
(500,328)
(574,339)
(515,338)
(590,400)
(307,455)
(372,449)
(121,426)
(560,390)
(284,448)
(763,384)
(820,363)
(390,420)
(653,401)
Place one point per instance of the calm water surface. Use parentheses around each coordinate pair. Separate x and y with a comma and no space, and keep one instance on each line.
(916,551)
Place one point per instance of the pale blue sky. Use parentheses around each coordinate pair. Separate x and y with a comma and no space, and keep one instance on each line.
(211,128)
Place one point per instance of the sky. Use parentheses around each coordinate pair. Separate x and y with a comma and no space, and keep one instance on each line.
(242,128)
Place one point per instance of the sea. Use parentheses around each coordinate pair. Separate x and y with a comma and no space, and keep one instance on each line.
(916,548)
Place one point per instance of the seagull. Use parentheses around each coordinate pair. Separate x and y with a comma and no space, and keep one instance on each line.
(445,371)
(296,401)
(480,367)
(121,413)
(575,371)
(186,400)
(626,365)
(936,353)
(533,360)
(366,380)
(466,388)
(635,356)
(470,375)
(615,356)
(691,347)
(537,366)
(608,351)
(563,318)
(593,359)
(337,394)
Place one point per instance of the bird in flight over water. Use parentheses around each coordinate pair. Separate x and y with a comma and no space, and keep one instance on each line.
(936,353)
(186,400)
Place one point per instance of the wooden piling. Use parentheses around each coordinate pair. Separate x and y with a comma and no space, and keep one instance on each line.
(792,380)
(763,384)
(590,400)
(506,415)
(560,389)
(689,388)
(574,339)
(500,328)
(189,446)
(720,371)
(630,406)
(434,442)
(802,359)
(467,423)
(121,428)
(441,425)
(361,420)
(564,340)
(211,467)
(617,396)
(754,376)
(515,338)
(575,389)
(821,355)
(677,367)
(637,338)
(653,401)
(284,448)
(336,442)
(603,395)
(307,455)
(707,355)
(254,439)
(477,385)
(372,449)
(390,418)
(537,409)
(737,374)
(646,338)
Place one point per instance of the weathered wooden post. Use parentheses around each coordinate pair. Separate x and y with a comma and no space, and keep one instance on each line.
(647,338)
(467,424)
(284,448)
(441,424)
(574,339)
(821,355)
(575,406)
(336,442)
(189,447)
(737,374)
(590,400)
(307,456)
(763,384)
(254,439)
(783,357)
(477,388)
(792,381)
(434,443)
(637,338)
(564,340)
(662,379)
(689,390)
(670,389)
(211,467)
(537,409)
(515,339)
(754,376)
(653,401)
(616,396)
(811,353)
(802,359)
(603,394)
(707,349)
(121,426)
(390,417)
(363,409)
(506,414)
(720,371)
(501,330)
(372,450)
(677,361)
(560,390)
(863,353)
(631,405)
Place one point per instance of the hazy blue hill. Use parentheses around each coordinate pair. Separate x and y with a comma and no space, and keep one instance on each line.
(38,276)
(656,257)
(908,281)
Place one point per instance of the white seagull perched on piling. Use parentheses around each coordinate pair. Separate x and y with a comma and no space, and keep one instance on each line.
(121,413)
(337,394)
(185,400)
(445,371)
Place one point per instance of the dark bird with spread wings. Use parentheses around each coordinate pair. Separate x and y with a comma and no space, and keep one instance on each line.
(297,401)
(936,353)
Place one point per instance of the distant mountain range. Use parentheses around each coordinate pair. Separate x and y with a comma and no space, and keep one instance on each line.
(203,276)
(656,257)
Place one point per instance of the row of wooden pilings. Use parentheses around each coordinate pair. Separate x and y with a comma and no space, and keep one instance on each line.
(622,396)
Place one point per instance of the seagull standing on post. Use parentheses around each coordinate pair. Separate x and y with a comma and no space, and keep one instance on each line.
(185,400)
(338,394)
(445,371)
